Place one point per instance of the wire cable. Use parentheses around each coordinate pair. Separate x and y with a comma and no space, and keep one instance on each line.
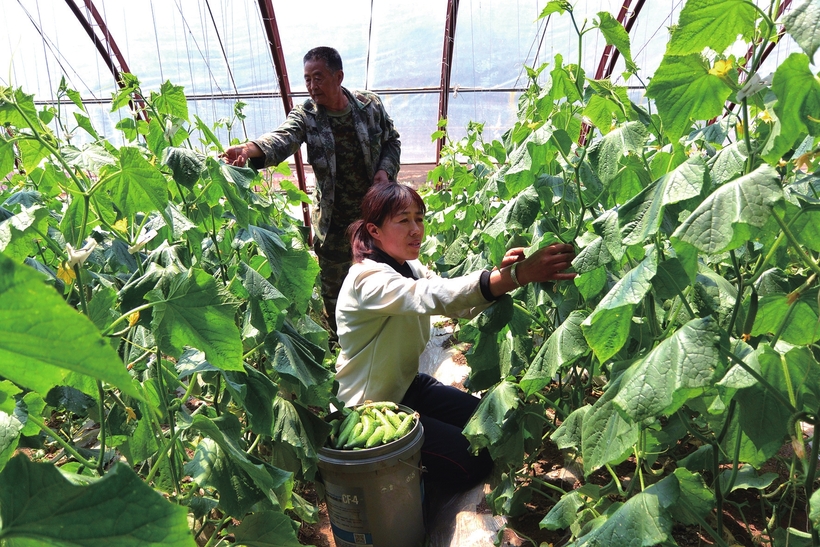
(156,40)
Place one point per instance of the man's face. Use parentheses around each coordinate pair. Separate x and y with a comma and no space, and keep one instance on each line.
(323,86)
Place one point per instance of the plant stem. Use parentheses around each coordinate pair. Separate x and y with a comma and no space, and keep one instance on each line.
(765,383)
(807,260)
(761,268)
(792,298)
(615,479)
(578,84)
(222,269)
(101,410)
(739,298)
(218,529)
(47,145)
(125,316)
(727,489)
(747,139)
(524,310)
(548,485)
(81,290)
(163,396)
(162,454)
(705,525)
(716,486)
(36,420)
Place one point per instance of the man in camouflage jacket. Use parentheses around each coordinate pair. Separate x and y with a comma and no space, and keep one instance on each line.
(351,143)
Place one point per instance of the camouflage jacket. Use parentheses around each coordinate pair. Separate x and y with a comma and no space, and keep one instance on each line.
(309,123)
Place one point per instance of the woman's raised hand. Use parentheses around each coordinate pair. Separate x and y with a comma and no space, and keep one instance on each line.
(546,264)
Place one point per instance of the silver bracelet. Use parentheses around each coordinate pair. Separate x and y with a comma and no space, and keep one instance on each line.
(513,274)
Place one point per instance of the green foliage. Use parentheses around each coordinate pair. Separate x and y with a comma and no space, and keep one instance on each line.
(694,317)
(163,295)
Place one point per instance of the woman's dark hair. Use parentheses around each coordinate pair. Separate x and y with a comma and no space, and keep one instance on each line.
(329,55)
(382,201)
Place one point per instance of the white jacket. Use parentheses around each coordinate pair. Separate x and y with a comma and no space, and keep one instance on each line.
(383,323)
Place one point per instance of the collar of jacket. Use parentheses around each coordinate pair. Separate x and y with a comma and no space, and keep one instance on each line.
(356,98)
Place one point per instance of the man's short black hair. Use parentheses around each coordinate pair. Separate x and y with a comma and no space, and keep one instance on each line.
(329,55)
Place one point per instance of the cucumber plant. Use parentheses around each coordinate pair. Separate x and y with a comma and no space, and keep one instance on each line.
(686,348)
(156,334)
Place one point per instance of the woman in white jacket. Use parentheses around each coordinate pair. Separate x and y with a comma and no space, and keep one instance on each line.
(383,316)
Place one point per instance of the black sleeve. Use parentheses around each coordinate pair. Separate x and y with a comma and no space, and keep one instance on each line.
(484,284)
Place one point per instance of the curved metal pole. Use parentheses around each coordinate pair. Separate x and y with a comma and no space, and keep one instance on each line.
(610,55)
(272,31)
(105,46)
(446,66)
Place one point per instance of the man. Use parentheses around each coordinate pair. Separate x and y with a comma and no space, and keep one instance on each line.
(351,144)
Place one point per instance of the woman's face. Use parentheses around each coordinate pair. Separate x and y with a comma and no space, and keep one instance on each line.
(400,235)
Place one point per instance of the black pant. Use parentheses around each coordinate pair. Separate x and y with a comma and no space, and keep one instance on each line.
(444,412)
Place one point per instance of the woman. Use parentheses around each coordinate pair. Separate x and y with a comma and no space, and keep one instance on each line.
(383,316)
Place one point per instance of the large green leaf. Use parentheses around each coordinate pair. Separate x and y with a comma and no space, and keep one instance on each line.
(728,163)
(136,185)
(796,317)
(18,233)
(641,217)
(570,433)
(763,417)
(607,152)
(38,504)
(486,424)
(608,105)
(563,513)
(297,434)
(606,436)
(91,157)
(298,276)
(712,23)
(682,366)
(643,521)
(6,157)
(496,316)
(43,339)
(794,371)
(298,362)
(592,257)
(564,346)
(171,100)
(32,151)
(241,480)
(607,328)
(617,36)
(268,305)
(684,90)
(725,218)
(563,82)
(518,214)
(25,117)
(11,426)
(234,182)
(803,23)
(256,393)
(267,529)
(485,358)
(185,164)
(195,311)
(798,97)
(696,500)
